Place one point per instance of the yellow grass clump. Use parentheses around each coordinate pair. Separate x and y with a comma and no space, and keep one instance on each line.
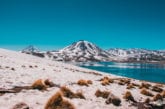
(157,89)
(89,82)
(157,97)
(58,102)
(103,94)
(147,100)
(66,92)
(144,91)
(145,85)
(163,94)
(83,82)
(124,81)
(42,84)
(113,99)
(130,86)
(128,96)
(106,81)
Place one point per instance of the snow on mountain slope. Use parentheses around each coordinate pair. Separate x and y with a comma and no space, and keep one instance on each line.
(30,49)
(33,51)
(138,54)
(81,51)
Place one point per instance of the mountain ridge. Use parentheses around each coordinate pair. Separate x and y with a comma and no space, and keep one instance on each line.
(83,51)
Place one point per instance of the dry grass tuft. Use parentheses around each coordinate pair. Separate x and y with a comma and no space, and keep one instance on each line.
(124,81)
(113,99)
(163,94)
(66,92)
(144,91)
(103,94)
(42,84)
(128,96)
(106,81)
(157,89)
(89,82)
(83,82)
(130,86)
(58,102)
(121,83)
(135,84)
(157,97)
(49,83)
(145,85)
(147,100)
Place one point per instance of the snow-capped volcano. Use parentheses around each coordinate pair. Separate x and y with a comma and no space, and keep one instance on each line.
(83,51)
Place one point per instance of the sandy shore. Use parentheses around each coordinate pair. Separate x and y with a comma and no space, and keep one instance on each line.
(17,69)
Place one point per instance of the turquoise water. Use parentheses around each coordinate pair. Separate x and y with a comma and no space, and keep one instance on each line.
(148,72)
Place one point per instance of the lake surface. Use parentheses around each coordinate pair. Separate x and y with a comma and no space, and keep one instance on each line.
(148,72)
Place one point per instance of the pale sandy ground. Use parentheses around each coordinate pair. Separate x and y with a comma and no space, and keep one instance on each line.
(59,73)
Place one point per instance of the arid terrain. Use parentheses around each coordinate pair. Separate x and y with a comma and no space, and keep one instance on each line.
(39,83)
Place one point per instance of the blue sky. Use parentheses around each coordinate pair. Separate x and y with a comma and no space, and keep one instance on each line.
(53,24)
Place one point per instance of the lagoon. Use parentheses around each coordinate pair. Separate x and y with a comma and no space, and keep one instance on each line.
(140,71)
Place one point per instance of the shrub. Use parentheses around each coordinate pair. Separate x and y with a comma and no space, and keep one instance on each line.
(157,97)
(39,84)
(70,94)
(79,95)
(106,78)
(82,82)
(103,94)
(121,83)
(58,102)
(128,96)
(145,85)
(135,84)
(163,94)
(49,83)
(105,82)
(42,84)
(125,80)
(157,89)
(146,92)
(113,99)
(89,82)
(147,100)
(130,86)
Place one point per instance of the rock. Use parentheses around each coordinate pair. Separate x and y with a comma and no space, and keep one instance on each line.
(21,105)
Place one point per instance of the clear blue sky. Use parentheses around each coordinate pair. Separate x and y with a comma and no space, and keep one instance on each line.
(53,24)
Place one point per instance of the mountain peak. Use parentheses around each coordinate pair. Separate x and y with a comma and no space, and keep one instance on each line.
(82,45)
(30,49)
